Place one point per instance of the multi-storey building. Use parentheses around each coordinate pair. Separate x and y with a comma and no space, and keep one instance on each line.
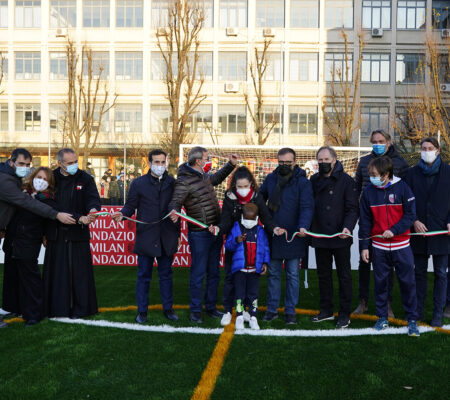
(306,45)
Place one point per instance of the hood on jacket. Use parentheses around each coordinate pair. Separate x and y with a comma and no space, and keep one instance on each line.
(395,179)
(7,169)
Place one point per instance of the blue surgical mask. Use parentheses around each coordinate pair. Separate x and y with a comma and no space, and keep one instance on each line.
(72,169)
(379,149)
(22,172)
(376,181)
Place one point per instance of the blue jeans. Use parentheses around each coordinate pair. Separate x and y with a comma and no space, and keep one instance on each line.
(205,258)
(144,276)
(440,264)
(274,285)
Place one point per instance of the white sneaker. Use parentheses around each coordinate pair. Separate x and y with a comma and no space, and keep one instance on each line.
(226,319)
(254,323)
(240,322)
(246,316)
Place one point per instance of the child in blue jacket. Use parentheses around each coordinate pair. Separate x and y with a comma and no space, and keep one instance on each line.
(250,247)
(387,211)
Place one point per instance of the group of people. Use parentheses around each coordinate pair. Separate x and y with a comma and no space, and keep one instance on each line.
(264,229)
(113,189)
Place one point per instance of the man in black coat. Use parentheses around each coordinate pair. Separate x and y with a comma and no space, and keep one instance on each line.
(69,286)
(430,182)
(150,195)
(382,146)
(335,210)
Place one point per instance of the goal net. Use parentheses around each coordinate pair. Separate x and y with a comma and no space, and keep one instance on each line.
(262,160)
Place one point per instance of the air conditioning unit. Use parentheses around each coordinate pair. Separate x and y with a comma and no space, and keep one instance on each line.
(232,31)
(231,87)
(61,33)
(445,33)
(377,32)
(162,31)
(445,87)
(268,32)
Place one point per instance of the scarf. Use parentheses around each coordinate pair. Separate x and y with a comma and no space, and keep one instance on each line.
(246,199)
(430,170)
(275,198)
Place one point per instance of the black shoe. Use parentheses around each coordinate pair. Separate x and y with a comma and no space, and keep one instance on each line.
(141,318)
(196,317)
(214,313)
(31,322)
(270,316)
(322,317)
(3,324)
(343,322)
(290,319)
(170,315)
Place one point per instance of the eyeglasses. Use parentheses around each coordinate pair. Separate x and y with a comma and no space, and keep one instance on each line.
(285,162)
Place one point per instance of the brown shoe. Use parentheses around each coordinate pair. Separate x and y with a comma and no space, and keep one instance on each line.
(362,307)
(447,312)
(390,312)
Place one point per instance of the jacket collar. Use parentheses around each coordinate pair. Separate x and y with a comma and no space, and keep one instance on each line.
(7,169)
(186,169)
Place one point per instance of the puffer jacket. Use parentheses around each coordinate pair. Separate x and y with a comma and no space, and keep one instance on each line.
(195,191)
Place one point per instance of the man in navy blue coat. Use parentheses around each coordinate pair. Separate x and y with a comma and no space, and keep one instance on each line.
(291,204)
(150,195)
(430,182)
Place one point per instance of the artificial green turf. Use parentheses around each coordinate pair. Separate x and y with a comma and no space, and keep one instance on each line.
(59,361)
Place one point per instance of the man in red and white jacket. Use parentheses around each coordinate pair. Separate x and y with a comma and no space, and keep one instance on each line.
(387,211)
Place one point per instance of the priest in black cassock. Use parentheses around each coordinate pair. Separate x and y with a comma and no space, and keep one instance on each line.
(68,271)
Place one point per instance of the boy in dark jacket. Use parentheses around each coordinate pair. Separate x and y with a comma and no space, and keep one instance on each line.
(250,247)
(387,211)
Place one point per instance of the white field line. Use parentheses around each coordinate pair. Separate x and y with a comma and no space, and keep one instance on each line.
(263,332)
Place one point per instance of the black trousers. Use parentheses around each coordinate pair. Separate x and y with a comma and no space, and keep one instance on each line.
(246,286)
(364,279)
(324,260)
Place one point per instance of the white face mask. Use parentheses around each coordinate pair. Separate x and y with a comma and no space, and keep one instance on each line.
(40,184)
(243,192)
(428,156)
(249,223)
(158,170)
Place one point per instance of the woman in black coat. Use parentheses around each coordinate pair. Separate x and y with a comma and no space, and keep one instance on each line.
(242,189)
(22,283)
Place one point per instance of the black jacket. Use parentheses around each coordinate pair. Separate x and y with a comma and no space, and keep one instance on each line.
(335,207)
(362,177)
(195,191)
(77,195)
(150,197)
(232,212)
(432,209)
(12,196)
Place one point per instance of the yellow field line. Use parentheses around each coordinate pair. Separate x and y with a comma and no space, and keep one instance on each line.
(209,377)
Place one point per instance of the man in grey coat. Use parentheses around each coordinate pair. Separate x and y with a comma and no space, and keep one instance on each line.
(11,195)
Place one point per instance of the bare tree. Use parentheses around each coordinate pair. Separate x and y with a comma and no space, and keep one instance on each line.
(87,101)
(340,108)
(256,103)
(179,44)
(2,71)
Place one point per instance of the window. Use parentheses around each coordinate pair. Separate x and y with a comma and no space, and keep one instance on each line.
(96,13)
(233,13)
(103,125)
(28,65)
(129,65)
(3,65)
(375,67)
(336,67)
(444,68)
(200,121)
(338,13)
(28,14)
(160,13)
(271,117)
(232,66)
(208,7)
(270,13)
(4,14)
(63,13)
(232,119)
(411,14)
(58,66)
(129,13)
(376,14)
(274,69)
(304,13)
(159,68)
(204,64)
(374,117)
(28,117)
(3,117)
(440,14)
(128,118)
(161,118)
(410,68)
(304,66)
(303,120)
(57,114)
(100,64)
